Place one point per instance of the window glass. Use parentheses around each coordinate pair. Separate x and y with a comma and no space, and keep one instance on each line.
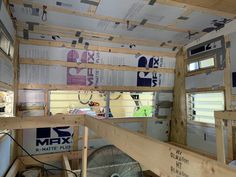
(207,63)
(201,106)
(122,104)
(193,66)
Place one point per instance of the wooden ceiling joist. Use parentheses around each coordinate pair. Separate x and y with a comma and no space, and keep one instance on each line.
(224,8)
(96,48)
(46,29)
(23,86)
(92,66)
(101,17)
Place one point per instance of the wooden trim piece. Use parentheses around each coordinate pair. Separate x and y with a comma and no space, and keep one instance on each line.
(225,115)
(69,32)
(5,86)
(66,165)
(96,48)
(3,55)
(220,147)
(47,62)
(206,89)
(100,17)
(148,152)
(92,88)
(14,168)
(85,152)
(219,8)
(40,122)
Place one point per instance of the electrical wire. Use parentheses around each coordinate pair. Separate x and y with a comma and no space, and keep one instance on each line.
(32,157)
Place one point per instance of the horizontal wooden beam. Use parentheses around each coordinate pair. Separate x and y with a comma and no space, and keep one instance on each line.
(40,122)
(92,88)
(47,62)
(174,161)
(51,8)
(225,115)
(95,48)
(48,29)
(224,8)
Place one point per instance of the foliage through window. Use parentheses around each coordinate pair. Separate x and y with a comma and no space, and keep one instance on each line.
(119,104)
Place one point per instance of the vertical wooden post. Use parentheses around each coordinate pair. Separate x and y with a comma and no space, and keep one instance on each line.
(85,152)
(179,117)
(220,148)
(228,100)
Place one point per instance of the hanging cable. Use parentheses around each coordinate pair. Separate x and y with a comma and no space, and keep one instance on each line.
(87,101)
(44,15)
(32,157)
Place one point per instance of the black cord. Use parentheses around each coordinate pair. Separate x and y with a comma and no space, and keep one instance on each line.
(44,163)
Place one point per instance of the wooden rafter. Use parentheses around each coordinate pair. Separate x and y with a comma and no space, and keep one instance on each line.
(96,48)
(224,8)
(93,88)
(47,62)
(100,17)
(48,29)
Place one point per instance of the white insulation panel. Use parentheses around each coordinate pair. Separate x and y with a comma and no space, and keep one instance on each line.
(213,79)
(73,76)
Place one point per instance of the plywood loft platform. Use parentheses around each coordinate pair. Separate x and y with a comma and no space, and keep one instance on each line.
(117,88)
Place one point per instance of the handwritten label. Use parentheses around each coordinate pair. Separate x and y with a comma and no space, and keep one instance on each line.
(177,167)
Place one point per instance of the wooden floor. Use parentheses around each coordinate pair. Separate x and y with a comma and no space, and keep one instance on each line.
(149,174)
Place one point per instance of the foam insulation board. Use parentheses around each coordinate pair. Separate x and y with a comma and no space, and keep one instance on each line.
(203,138)
(58,53)
(213,79)
(158,129)
(232,38)
(42,74)
(31,96)
(91,24)
(61,75)
(164,96)
(36,74)
(67,4)
(6,20)
(6,71)
(97,42)
(5,154)
(198,21)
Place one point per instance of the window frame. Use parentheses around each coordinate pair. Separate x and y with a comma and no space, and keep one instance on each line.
(200,70)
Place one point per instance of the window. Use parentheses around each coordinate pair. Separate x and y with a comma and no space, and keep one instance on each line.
(201,106)
(201,64)
(122,104)
(6,103)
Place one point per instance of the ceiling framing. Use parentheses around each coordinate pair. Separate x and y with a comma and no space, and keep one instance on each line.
(167,24)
